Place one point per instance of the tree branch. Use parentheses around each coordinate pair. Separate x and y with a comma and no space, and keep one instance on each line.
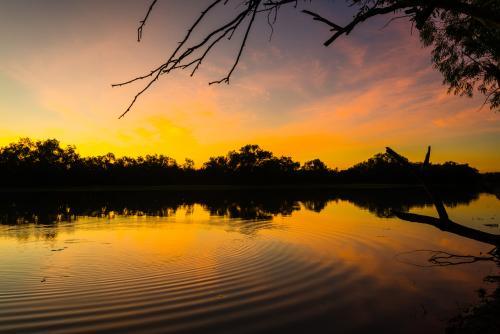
(418,11)
(438,204)
(242,46)
(143,22)
(360,17)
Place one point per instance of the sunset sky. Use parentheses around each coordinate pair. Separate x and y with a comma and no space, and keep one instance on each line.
(290,95)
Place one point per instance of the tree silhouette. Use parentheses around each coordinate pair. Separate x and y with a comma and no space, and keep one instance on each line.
(315,165)
(464,35)
(47,163)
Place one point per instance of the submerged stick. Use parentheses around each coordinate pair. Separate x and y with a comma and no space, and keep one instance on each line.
(443,223)
(438,203)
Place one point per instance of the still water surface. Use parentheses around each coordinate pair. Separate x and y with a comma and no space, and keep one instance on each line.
(227,263)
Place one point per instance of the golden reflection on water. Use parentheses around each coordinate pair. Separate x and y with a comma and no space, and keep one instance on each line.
(340,268)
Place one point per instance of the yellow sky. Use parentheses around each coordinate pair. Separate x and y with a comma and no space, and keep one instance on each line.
(341,104)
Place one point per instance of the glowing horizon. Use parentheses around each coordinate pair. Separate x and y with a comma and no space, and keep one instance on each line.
(291,96)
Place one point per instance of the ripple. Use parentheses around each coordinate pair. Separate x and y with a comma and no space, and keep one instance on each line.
(229,281)
(237,284)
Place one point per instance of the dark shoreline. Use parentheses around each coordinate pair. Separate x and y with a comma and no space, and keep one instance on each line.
(216,187)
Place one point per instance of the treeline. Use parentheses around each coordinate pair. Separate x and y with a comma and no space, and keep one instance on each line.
(46,163)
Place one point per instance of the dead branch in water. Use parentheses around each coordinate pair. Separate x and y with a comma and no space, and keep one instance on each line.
(443,223)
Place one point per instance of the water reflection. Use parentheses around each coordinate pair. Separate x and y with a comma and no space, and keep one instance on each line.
(51,207)
(236,261)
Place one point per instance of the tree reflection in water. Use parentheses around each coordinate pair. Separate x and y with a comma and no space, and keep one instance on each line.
(251,204)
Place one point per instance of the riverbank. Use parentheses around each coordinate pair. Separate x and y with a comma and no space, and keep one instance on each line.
(213,187)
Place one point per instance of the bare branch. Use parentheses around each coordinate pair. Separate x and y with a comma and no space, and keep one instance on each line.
(143,22)
(444,223)
(395,19)
(158,71)
(360,17)
(139,94)
(179,57)
(317,17)
(452,227)
(440,258)
(191,54)
(438,204)
(242,46)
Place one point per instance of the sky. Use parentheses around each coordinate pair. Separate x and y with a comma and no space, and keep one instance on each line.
(290,94)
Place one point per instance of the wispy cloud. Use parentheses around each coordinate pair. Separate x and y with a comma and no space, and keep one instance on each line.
(342,104)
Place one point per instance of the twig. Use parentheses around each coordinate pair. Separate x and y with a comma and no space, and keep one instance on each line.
(242,46)
(143,22)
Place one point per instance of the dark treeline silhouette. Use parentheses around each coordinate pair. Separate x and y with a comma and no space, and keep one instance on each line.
(29,163)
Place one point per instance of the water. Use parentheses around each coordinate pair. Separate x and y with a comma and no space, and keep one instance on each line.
(236,261)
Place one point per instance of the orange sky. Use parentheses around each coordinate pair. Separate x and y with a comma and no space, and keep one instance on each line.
(342,104)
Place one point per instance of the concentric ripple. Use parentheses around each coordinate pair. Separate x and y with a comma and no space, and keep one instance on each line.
(236,282)
(214,276)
